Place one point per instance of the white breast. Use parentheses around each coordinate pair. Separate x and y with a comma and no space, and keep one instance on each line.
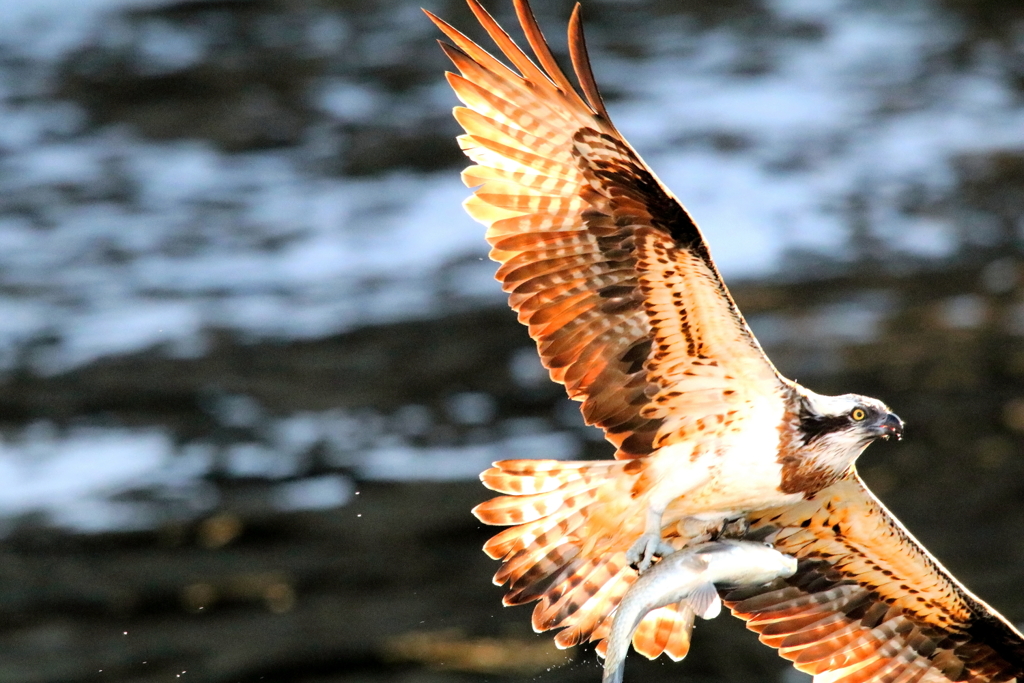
(745,473)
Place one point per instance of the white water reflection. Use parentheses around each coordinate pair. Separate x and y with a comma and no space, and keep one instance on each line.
(256,243)
(97,479)
(73,478)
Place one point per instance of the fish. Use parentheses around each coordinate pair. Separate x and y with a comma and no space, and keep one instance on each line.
(691,576)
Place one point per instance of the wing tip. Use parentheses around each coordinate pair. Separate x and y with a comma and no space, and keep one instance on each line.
(581,64)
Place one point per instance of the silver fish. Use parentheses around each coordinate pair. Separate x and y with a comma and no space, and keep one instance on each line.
(690,576)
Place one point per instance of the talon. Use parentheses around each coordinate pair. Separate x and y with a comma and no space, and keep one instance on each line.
(642,553)
(736,527)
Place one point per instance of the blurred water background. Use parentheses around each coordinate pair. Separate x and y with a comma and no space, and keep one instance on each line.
(252,357)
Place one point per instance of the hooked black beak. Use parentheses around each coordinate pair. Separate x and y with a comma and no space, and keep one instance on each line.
(892,425)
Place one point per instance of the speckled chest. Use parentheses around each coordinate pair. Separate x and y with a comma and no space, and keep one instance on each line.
(805,468)
(746,473)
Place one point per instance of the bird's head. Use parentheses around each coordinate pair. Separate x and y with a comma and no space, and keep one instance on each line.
(846,423)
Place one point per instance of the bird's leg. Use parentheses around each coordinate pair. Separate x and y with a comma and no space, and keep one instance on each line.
(650,545)
(675,482)
(736,527)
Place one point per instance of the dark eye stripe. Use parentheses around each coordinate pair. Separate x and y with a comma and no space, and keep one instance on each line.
(816,426)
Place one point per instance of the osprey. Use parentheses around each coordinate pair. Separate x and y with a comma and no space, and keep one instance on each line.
(617,286)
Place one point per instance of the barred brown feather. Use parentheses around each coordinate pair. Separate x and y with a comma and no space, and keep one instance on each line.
(868,603)
(665,630)
(560,551)
(585,235)
(616,285)
(564,198)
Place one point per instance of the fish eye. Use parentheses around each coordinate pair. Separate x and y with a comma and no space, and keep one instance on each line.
(858,414)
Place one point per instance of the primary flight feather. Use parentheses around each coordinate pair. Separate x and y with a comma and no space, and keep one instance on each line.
(617,286)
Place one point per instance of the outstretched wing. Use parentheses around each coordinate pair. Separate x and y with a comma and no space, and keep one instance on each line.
(868,603)
(603,264)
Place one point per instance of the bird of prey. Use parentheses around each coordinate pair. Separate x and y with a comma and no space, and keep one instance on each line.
(617,286)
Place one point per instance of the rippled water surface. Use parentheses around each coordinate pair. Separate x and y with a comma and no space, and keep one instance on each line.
(236,279)
(282,172)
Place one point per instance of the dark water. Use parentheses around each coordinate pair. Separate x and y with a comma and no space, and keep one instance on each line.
(252,358)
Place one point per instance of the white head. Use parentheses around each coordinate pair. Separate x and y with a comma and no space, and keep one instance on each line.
(841,427)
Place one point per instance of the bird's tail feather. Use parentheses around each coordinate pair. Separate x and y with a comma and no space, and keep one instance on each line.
(666,630)
(565,546)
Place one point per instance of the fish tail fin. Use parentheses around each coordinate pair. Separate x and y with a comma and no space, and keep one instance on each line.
(566,540)
(613,671)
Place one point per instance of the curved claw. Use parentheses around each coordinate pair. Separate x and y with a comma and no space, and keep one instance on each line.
(642,553)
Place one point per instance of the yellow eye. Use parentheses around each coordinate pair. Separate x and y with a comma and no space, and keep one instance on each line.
(858,414)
